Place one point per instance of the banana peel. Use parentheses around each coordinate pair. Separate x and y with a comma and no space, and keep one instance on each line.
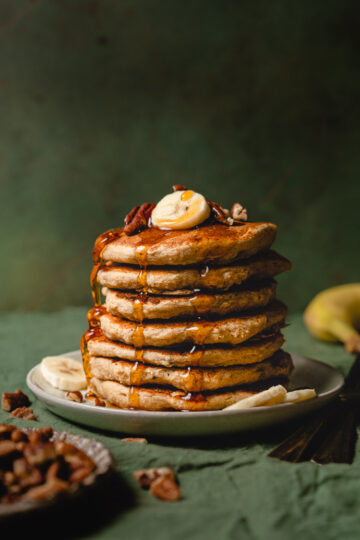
(334,315)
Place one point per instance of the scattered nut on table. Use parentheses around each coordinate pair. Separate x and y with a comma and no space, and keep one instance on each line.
(14,400)
(161,482)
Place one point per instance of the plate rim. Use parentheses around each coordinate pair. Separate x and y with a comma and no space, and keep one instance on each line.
(128,413)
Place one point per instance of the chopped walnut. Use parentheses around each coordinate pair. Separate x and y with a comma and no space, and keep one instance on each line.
(14,400)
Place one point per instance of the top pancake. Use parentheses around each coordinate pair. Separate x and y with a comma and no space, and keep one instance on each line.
(216,244)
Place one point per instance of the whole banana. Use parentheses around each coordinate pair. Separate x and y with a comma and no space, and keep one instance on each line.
(334,315)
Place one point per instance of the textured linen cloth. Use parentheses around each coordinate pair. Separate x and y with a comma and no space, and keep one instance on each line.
(230,488)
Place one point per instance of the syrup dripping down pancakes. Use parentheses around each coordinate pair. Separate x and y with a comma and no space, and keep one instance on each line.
(185,319)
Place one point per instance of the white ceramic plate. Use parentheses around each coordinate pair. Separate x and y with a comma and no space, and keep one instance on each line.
(308,373)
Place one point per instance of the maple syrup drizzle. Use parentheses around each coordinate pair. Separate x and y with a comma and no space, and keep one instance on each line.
(138,335)
(202,303)
(95,313)
(186,195)
(193,379)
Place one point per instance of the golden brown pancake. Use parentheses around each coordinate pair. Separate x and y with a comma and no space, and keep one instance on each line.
(161,399)
(137,308)
(254,350)
(183,280)
(216,243)
(191,379)
(232,330)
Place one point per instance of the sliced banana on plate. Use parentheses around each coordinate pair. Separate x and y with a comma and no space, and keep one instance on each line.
(63,373)
(180,210)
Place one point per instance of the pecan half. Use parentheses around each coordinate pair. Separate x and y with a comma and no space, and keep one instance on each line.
(219,213)
(179,187)
(138,218)
(13,400)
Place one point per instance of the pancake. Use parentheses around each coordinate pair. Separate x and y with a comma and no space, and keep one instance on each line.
(161,399)
(181,281)
(232,330)
(216,243)
(251,351)
(137,308)
(190,379)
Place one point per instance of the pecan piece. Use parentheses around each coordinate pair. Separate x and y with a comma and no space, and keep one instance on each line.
(238,212)
(179,187)
(138,218)
(39,453)
(6,431)
(145,477)
(8,452)
(18,436)
(75,396)
(165,488)
(219,213)
(79,474)
(14,400)
(139,440)
(23,412)
(47,490)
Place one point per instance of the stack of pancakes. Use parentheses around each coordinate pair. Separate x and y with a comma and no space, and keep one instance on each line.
(190,319)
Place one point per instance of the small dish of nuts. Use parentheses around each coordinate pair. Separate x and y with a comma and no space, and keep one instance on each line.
(39,466)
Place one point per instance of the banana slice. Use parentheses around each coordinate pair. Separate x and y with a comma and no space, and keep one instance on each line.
(180,210)
(299,395)
(63,373)
(271,396)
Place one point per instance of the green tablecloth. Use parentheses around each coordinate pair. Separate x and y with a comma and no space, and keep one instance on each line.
(231,489)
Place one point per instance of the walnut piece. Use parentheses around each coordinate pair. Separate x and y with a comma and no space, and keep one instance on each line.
(14,400)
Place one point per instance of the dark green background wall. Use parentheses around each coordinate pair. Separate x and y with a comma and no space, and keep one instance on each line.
(107,104)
